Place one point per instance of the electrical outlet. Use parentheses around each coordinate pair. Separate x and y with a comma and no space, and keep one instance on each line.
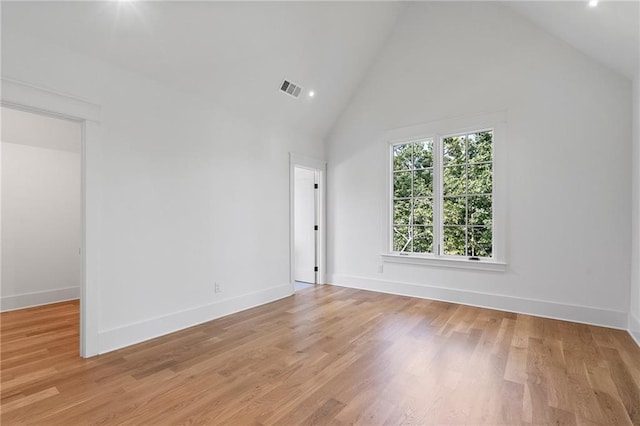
(216,288)
(380,269)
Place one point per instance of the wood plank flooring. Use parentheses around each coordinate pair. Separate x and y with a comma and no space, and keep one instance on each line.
(327,355)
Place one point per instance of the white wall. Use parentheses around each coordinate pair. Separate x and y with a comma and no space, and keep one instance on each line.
(568,177)
(40,210)
(304,218)
(634,305)
(40,226)
(191,195)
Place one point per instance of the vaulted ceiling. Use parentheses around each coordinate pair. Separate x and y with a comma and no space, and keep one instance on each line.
(609,32)
(237,53)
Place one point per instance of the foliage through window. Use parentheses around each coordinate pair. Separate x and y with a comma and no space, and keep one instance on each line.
(463,200)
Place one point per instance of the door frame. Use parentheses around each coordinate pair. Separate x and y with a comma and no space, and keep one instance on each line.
(26,97)
(320,167)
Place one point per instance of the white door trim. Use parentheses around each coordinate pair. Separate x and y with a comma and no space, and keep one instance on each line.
(27,97)
(319,166)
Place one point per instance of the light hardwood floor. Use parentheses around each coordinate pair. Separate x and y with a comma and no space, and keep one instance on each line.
(327,355)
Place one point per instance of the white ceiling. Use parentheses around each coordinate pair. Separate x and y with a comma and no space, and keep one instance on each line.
(26,128)
(236,53)
(609,32)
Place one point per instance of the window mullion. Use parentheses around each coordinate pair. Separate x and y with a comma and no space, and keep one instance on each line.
(413,200)
(466,196)
(438,200)
(390,204)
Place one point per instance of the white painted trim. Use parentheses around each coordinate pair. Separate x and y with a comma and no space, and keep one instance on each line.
(541,308)
(20,94)
(450,125)
(27,97)
(446,262)
(307,162)
(28,300)
(634,328)
(138,332)
(319,166)
(91,238)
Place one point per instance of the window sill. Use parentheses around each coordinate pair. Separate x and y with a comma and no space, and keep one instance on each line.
(446,262)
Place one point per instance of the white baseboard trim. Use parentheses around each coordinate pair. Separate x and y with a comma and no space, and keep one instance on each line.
(28,300)
(131,334)
(634,328)
(574,313)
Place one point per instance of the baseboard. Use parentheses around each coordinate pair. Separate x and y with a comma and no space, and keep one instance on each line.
(634,328)
(131,334)
(28,300)
(574,313)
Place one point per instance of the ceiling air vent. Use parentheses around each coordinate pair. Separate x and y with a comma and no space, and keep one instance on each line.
(291,89)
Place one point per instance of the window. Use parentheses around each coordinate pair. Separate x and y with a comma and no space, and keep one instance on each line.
(413,197)
(442,196)
(467,192)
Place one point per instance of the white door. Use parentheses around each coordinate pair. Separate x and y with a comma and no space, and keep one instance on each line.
(304,222)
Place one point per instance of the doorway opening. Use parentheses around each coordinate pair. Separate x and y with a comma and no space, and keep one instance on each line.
(41,199)
(307,218)
(26,97)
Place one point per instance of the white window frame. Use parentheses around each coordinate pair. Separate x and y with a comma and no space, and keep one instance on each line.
(436,131)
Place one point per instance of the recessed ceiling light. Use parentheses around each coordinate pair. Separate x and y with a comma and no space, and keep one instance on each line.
(593,3)
(311,93)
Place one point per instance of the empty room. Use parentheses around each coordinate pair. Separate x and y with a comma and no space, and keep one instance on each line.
(292,213)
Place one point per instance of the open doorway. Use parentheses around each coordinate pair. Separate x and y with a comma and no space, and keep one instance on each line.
(23,96)
(41,214)
(307,214)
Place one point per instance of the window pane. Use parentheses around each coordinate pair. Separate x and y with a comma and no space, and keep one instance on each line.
(454,211)
(423,154)
(479,146)
(423,211)
(402,157)
(401,239)
(422,183)
(401,212)
(454,180)
(402,185)
(479,210)
(480,242)
(453,150)
(422,239)
(455,240)
(480,179)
